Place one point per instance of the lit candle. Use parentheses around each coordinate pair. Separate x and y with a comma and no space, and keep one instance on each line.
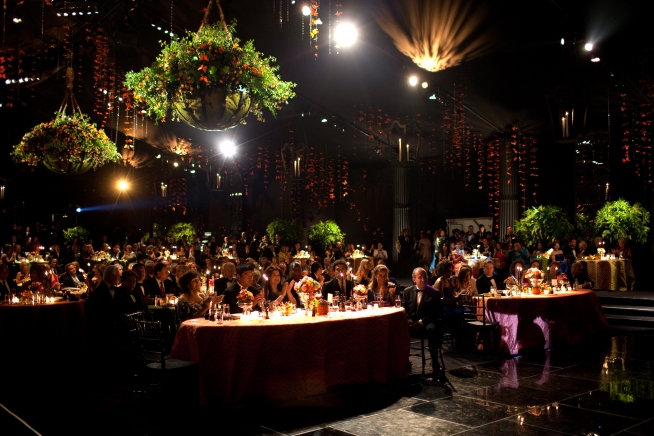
(400,148)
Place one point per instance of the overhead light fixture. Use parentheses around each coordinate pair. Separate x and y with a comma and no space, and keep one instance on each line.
(306,10)
(588,46)
(413,80)
(324,120)
(562,41)
(425,85)
(345,34)
(123,185)
(175,164)
(17,20)
(595,60)
(228,148)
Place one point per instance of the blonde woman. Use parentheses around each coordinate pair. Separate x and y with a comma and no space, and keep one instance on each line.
(24,272)
(363,273)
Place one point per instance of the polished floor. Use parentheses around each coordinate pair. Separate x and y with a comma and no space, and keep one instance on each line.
(603,388)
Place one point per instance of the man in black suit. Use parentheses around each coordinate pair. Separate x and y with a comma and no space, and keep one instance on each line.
(489,278)
(339,283)
(241,244)
(159,286)
(338,251)
(228,277)
(423,309)
(139,289)
(244,280)
(7,285)
(571,251)
(70,279)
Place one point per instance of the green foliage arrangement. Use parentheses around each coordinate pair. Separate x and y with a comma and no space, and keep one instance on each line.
(618,219)
(289,231)
(584,225)
(543,224)
(66,145)
(79,232)
(178,230)
(325,233)
(209,58)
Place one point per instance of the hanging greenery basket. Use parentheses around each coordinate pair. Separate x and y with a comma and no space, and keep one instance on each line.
(214,109)
(69,144)
(208,80)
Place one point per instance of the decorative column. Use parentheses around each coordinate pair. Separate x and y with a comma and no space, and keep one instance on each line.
(509,181)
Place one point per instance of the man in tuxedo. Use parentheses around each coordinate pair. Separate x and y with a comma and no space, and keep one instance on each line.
(7,285)
(139,289)
(339,283)
(228,276)
(338,251)
(423,309)
(489,278)
(571,251)
(583,249)
(265,248)
(579,276)
(71,279)
(316,272)
(241,244)
(226,245)
(244,280)
(159,286)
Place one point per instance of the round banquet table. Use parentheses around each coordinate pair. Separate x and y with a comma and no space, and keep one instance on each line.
(37,334)
(610,275)
(546,320)
(285,359)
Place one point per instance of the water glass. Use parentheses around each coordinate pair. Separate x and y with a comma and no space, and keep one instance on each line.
(220,315)
(226,312)
(398,301)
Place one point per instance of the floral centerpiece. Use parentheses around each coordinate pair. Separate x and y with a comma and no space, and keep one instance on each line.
(302,254)
(210,70)
(535,276)
(244,300)
(360,291)
(69,144)
(307,289)
(286,308)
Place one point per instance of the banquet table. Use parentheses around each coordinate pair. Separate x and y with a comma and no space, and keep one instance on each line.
(546,320)
(610,275)
(285,359)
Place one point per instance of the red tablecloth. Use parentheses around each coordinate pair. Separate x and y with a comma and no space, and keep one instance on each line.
(288,358)
(546,320)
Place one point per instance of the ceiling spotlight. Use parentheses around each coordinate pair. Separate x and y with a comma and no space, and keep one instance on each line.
(588,46)
(17,20)
(324,120)
(562,41)
(595,60)
(345,34)
(123,185)
(175,164)
(413,80)
(78,210)
(306,11)
(228,148)
(425,85)
(158,156)
(65,14)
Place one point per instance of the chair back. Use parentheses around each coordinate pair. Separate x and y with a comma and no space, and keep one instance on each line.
(474,308)
(152,342)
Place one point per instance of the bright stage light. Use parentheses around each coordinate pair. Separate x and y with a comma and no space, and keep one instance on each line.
(588,46)
(345,34)
(413,80)
(228,148)
(562,41)
(595,60)
(425,85)
(123,185)
(78,210)
(306,10)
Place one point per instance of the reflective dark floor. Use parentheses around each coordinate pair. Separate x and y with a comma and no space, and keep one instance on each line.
(599,389)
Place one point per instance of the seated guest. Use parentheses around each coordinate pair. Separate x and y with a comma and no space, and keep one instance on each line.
(570,251)
(128,254)
(558,256)
(139,289)
(160,286)
(499,252)
(517,271)
(538,250)
(24,272)
(467,281)
(70,279)
(276,290)
(624,252)
(7,286)
(229,275)
(579,276)
(380,289)
(363,273)
(128,281)
(535,264)
(95,277)
(422,306)
(316,272)
(488,278)
(180,270)
(449,288)
(244,280)
(339,283)
(379,252)
(191,304)
(583,249)
(518,253)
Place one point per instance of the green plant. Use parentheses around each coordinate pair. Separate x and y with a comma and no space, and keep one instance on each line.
(288,230)
(209,58)
(584,225)
(178,230)
(618,219)
(325,233)
(78,232)
(543,224)
(66,140)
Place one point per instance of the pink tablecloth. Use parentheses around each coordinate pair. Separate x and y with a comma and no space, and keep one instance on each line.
(546,320)
(289,358)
